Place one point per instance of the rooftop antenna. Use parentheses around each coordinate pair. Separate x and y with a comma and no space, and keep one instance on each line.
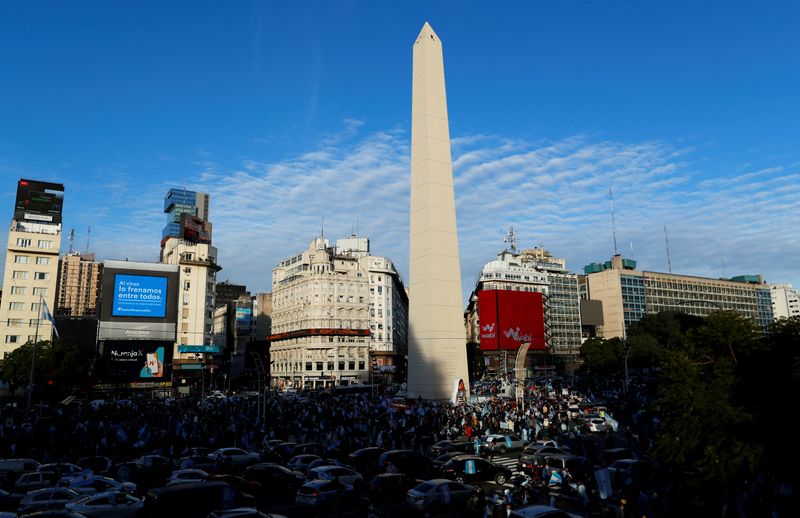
(322,227)
(88,238)
(631,248)
(669,258)
(613,221)
(71,239)
(511,238)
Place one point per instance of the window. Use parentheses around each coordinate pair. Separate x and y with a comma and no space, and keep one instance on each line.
(35,321)
(308,366)
(351,365)
(341,365)
(18,290)
(42,260)
(19,274)
(41,276)
(319,366)
(45,243)
(12,339)
(22,259)
(16,306)
(24,243)
(361,365)
(40,291)
(330,366)
(35,306)
(187,285)
(14,322)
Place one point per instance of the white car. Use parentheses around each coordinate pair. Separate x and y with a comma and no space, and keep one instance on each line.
(596,424)
(50,498)
(118,505)
(236,457)
(182,476)
(95,484)
(503,443)
(438,495)
(347,476)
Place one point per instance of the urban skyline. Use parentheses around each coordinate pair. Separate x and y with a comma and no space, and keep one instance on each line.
(699,140)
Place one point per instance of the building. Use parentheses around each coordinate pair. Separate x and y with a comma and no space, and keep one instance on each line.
(558,307)
(192,251)
(437,354)
(178,202)
(628,294)
(785,301)
(321,328)
(31,268)
(227,291)
(78,285)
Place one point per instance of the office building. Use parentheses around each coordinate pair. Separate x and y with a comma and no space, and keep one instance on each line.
(180,202)
(31,268)
(322,331)
(78,285)
(785,301)
(628,294)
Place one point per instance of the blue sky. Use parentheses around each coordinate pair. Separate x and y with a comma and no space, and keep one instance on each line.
(286,112)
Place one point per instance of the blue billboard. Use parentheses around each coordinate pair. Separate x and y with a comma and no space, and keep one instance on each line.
(139,296)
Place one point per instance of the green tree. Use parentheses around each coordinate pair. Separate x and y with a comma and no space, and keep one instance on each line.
(645,353)
(64,364)
(602,357)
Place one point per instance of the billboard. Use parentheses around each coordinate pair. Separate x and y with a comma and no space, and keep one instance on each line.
(194,229)
(243,318)
(135,361)
(39,201)
(139,301)
(509,319)
(139,296)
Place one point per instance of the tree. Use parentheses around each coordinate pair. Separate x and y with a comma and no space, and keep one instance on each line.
(602,357)
(65,364)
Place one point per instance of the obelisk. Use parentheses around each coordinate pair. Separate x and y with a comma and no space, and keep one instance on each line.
(437,357)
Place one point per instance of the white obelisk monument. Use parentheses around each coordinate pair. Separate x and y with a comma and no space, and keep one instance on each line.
(437,355)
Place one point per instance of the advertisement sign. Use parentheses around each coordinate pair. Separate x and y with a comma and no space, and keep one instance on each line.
(243,318)
(198,349)
(139,296)
(509,319)
(130,362)
(39,201)
(136,331)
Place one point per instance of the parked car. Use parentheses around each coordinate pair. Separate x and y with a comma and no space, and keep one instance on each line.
(54,471)
(318,493)
(365,460)
(442,459)
(531,460)
(101,505)
(274,478)
(596,425)
(183,476)
(31,481)
(310,448)
(50,498)
(503,443)
(471,468)
(408,462)
(235,457)
(438,496)
(300,462)
(203,462)
(541,511)
(576,465)
(193,500)
(89,485)
(390,488)
(243,512)
(9,501)
(608,457)
(99,465)
(451,445)
(346,476)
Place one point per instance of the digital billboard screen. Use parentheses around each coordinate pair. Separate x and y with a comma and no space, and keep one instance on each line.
(139,296)
(509,319)
(135,361)
(39,201)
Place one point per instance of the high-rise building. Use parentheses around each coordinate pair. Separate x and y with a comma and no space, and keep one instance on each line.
(437,356)
(192,251)
(31,269)
(628,294)
(78,285)
(534,270)
(335,311)
(178,202)
(785,301)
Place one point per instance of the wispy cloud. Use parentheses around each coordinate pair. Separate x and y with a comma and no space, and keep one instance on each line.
(554,193)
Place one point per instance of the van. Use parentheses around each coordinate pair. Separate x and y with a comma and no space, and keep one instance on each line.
(194,499)
(11,469)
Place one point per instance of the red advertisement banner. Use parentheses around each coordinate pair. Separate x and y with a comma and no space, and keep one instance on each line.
(509,319)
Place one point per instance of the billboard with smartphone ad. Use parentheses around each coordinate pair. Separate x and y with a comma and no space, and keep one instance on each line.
(509,319)
(139,301)
(135,361)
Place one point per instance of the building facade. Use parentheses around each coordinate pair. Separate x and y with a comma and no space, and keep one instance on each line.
(628,294)
(321,328)
(197,261)
(31,268)
(78,285)
(785,301)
